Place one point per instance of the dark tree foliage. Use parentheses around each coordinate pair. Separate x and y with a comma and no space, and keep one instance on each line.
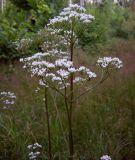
(23,4)
(57,6)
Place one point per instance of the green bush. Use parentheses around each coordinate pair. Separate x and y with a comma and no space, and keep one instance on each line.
(24,4)
(17,24)
(110,22)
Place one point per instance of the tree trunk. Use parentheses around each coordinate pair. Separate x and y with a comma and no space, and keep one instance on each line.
(69,2)
(2,5)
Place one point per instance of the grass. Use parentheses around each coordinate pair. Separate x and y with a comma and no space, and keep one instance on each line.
(109,126)
(103,120)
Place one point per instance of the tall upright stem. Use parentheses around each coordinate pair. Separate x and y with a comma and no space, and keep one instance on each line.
(69,116)
(71,84)
(71,149)
(48,124)
(71,143)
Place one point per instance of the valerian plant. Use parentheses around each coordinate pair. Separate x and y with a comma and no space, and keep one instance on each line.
(56,68)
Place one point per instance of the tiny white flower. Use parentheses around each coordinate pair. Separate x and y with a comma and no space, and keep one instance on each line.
(72,70)
(63,73)
(105,157)
(29,146)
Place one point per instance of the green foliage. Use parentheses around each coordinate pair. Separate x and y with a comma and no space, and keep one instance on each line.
(10,30)
(123,19)
(110,22)
(56,6)
(32,4)
(17,24)
(26,4)
(23,4)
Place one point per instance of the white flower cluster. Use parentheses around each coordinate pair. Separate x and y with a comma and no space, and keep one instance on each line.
(52,38)
(40,55)
(71,13)
(54,31)
(87,71)
(7,99)
(23,44)
(56,71)
(34,151)
(63,63)
(105,157)
(110,62)
(68,35)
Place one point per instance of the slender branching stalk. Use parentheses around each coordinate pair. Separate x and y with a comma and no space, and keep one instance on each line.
(48,124)
(69,116)
(71,143)
(90,89)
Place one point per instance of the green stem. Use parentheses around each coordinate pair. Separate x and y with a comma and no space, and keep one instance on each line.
(71,143)
(48,124)
(69,115)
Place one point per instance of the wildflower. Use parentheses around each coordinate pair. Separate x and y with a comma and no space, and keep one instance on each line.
(23,44)
(56,70)
(110,62)
(63,73)
(7,99)
(91,74)
(63,62)
(72,70)
(75,12)
(37,145)
(83,69)
(29,146)
(34,151)
(42,83)
(79,79)
(105,157)
(56,78)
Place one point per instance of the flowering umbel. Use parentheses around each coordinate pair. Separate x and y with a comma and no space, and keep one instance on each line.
(7,99)
(34,151)
(105,157)
(110,62)
(71,14)
(56,72)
